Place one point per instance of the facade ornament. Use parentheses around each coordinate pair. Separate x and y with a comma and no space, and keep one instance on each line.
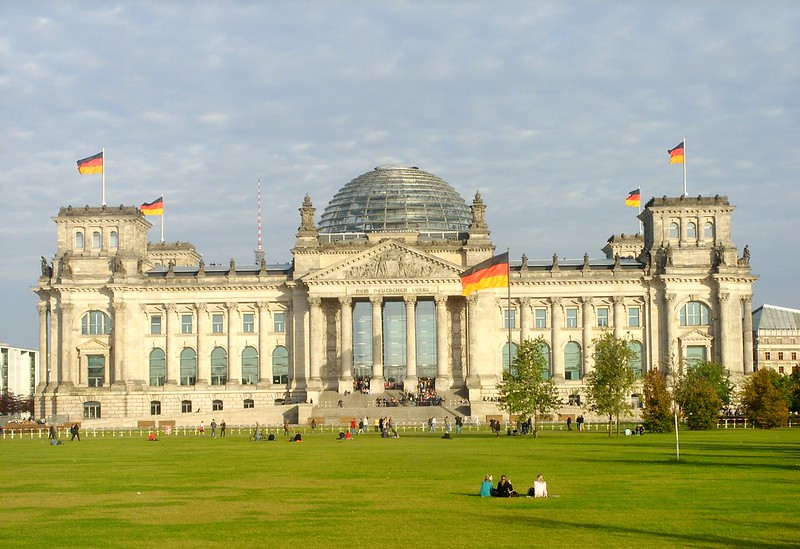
(394,263)
(201,270)
(586,266)
(263,270)
(745,259)
(117,266)
(478,213)
(524,266)
(616,262)
(555,263)
(171,269)
(47,270)
(232,269)
(307,216)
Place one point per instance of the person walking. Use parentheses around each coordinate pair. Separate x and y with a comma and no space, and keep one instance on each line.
(75,432)
(213,428)
(222,429)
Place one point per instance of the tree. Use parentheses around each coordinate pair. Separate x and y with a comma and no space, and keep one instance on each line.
(701,404)
(764,403)
(609,385)
(657,414)
(715,374)
(524,389)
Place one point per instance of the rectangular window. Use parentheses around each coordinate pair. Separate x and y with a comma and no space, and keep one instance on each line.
(249,404)
(572,317)
(217,320)
(91,410)
(155,408)
(186,406)
(695,354)
(96,370)
(794,356)
(248,323)
(634,317)
(186,324)
(766,355)
(780,355)
(602,317)
(155,324)
(279,322)
(509,319)
(540,318)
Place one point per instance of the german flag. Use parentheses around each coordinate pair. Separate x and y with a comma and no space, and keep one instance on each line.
(156,207)
(634,198)
(92,164)
(676,154)
(492,273)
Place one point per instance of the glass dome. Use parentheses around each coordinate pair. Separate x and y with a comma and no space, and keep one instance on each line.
(396,198)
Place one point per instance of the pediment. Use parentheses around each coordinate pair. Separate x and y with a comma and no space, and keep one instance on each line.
(94,345)
(695,337)
(388,261)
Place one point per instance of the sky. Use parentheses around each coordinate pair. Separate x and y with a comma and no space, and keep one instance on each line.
(553,110)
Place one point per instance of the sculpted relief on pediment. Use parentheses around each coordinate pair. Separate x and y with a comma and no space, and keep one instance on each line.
(395,263)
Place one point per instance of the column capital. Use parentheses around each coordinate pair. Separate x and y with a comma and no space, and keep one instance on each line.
(587,300)
(554,300)
(441,298)
(618,300)
(315,301)
(410,299)
(376,299)
(724,297)
(345,301)
(119,306)
(232,306)
(43,307)
(66,308)
(201,307)
(670,297)
(262,305)
(746,299)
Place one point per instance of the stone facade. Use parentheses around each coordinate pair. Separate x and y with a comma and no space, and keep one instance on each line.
(132,330)
(776,333)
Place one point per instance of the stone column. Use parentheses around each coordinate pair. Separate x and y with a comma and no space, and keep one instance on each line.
(117,369)
(376,382)
(669,330)
(69,373)
(721,347)
(443,378)
(525,319)
(346,352)
(316,342)
(55,345)
(586,334)
(473,380)
(619,315)
(44,351)
(747,333)
(557,316)
(410,381)
(173,361)
(234,327)
(203,353)
(264,364)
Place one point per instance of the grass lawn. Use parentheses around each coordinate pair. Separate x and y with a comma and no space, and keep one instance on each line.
(731,488)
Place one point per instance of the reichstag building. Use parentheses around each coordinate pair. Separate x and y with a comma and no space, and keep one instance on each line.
(132,330)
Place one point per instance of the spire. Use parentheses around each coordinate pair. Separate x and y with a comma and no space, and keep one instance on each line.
(260,256)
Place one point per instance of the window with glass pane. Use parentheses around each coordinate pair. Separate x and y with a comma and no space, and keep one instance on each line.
(394,340)
(572,317)
(79,240)
(219,366)
(249,366)
(217,406)
(691,230)
(91,410)
(248,323)
(426,338)
(279,322)
(186,324)
(635,362)
(280,366)
(249,404)
(155,324)
(188,366)
(695,354)
(507,360)
(96,370)
(217,321)
(694,313)
(674,230)
(708,230)
(186,406)
(113,239)
(95,323)
(602,317)
(509,318)
(572,361)
(155,407)
(362,339)
(97,240)
(158,367)
(634,320)
(540,316)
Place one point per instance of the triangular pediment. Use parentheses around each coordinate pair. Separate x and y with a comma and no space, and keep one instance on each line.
(390,260)
(94,345)
(696,337)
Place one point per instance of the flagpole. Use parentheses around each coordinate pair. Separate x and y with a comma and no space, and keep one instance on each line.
(509,308)
(685,191)
(162,218)
(104,176)
(641,229)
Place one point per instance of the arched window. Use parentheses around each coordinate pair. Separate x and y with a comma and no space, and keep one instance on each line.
(546,350)
(188,366)
(691,230)
(674,230)
(113,239)
(217,405)
(95,323)
(505,357)
(97,240)
(219,366)
(635,363)
(158,367)
(91,410)
(79,240)
(694,313)
(280,366)
(249,366)
(708,230)
(572,361)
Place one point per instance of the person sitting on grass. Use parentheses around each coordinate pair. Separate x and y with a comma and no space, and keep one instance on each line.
(505,489)
(487,487)
(539,488)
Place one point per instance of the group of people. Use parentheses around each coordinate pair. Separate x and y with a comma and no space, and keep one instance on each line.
(505,489)
(201,429)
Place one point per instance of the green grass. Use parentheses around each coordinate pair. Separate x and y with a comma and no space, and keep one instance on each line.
(731,488)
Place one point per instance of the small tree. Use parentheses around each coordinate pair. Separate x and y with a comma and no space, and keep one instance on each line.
(609,385)
(763,402)
(657,415)
(701,404)
(524,389)
(715,374)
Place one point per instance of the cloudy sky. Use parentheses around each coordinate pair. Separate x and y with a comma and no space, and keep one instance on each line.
(552,110)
